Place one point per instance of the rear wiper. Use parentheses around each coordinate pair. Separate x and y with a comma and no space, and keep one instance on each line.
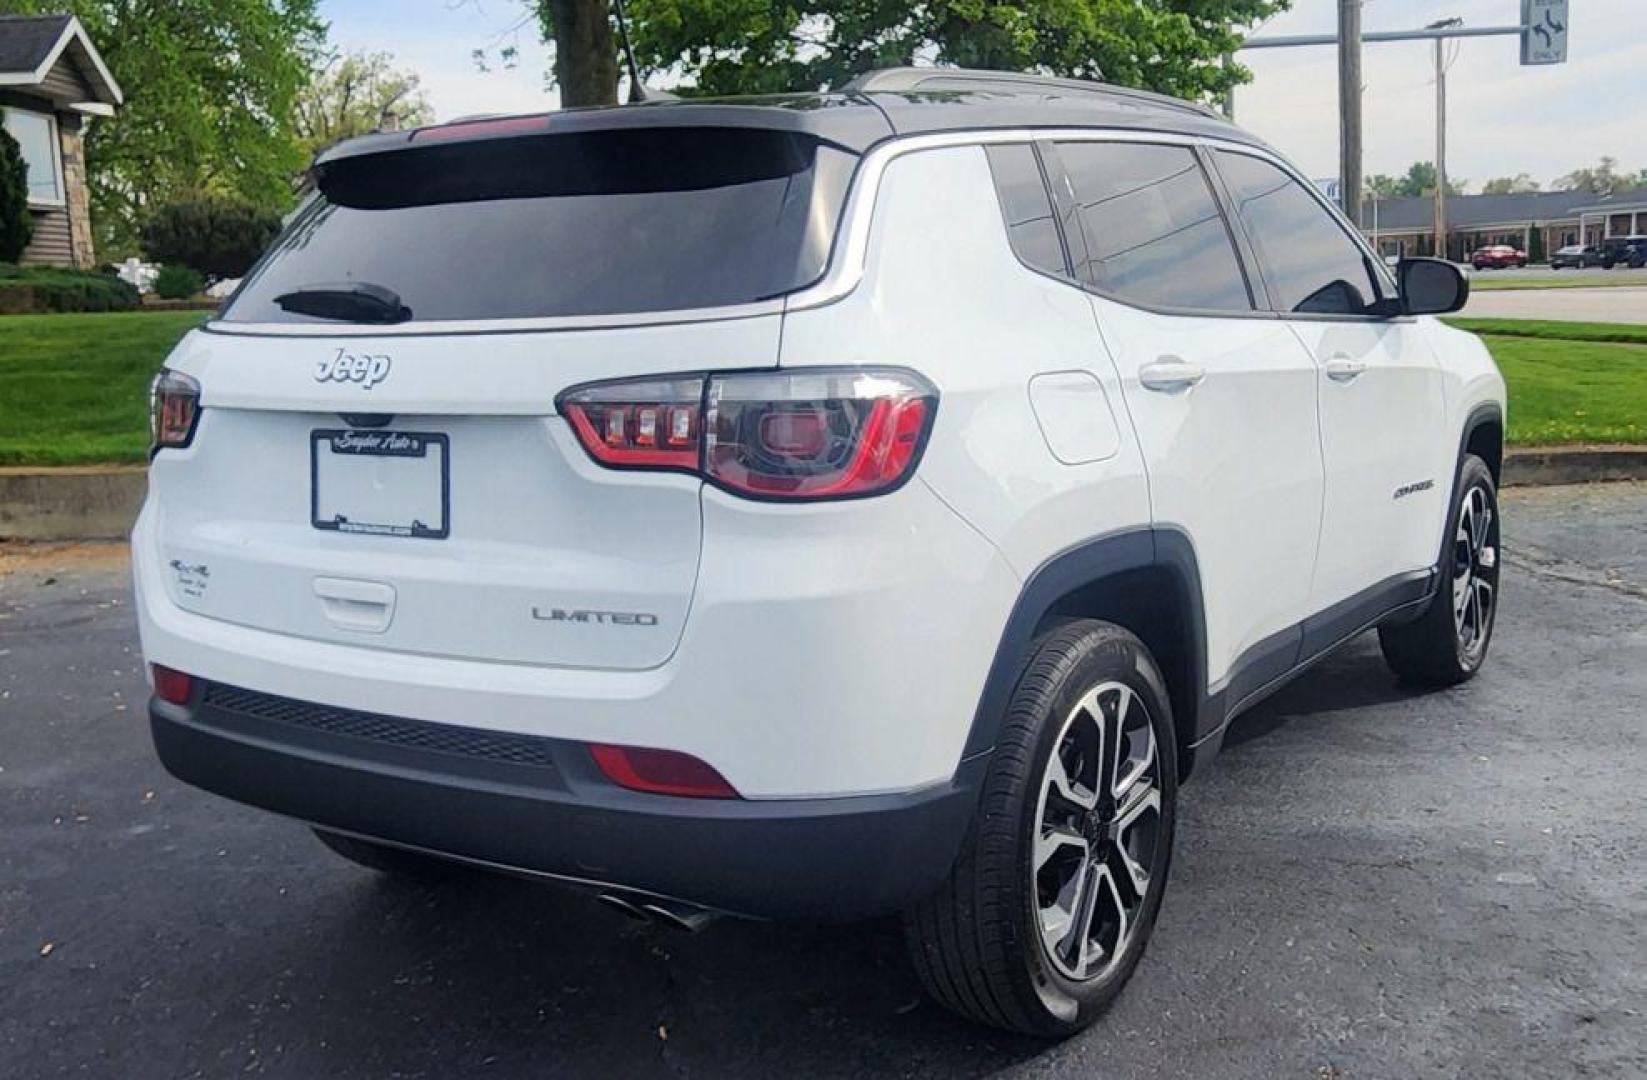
(346,301)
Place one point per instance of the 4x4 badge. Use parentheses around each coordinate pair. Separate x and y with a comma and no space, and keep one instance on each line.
(367,369)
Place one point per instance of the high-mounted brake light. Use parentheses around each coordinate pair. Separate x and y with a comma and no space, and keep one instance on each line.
(483,128)
(174,402)
(822,433)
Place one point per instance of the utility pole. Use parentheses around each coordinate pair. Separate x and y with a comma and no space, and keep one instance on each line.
(1349,106)
(1441,136)
(1440,151)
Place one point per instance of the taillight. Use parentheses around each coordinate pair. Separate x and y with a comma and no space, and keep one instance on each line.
(174,402)
(786,435)
(172,686)
(661,772)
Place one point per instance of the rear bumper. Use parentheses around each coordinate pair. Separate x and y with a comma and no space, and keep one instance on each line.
(540,806)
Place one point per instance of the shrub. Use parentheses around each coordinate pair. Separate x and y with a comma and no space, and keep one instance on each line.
(30,289)
(178,282)
(218,235)
(15,224)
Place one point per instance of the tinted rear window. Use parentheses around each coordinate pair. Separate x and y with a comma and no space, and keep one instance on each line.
(593,223)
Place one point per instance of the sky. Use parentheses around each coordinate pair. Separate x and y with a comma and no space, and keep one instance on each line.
(1503,119)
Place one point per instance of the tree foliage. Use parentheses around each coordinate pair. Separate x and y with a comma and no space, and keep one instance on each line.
(15,224)
(1601,179)
(210,87)
(1419,179)
(357,94)
(178,282)
(218,235)
(771,46)
(1519,184)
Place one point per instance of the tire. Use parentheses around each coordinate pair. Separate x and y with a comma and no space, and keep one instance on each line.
(1447,644)
(980,943)
(392,861)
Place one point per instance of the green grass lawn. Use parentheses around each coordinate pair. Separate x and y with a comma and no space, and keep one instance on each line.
(1481,283)
(1623,333)
(74,389)
(1566,391)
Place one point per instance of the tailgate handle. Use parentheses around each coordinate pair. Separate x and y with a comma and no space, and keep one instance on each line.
(365,607)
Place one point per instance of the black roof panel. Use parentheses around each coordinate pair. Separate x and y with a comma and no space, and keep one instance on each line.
(874,107)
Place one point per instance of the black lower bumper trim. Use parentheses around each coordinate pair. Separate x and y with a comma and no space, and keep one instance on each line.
(550,812)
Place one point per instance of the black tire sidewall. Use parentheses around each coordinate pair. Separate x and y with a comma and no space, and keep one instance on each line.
(1107,654)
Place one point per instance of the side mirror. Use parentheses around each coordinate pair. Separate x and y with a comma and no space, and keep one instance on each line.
(1431,286)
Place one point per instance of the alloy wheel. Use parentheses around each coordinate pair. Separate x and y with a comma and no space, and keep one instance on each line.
(1097,831)
(1475,571)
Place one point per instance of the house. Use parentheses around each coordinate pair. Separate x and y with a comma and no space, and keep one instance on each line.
(52,82)
(1537,222)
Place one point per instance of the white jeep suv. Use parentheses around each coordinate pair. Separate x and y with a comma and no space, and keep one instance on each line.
(811,507)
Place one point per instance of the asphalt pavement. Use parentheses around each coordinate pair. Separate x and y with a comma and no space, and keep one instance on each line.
(1368,883)
(1620,304)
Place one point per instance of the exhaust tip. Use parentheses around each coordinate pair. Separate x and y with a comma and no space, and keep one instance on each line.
(628,907)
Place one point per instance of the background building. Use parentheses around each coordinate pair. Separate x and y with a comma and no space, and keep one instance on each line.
(51,79)
(1537,223)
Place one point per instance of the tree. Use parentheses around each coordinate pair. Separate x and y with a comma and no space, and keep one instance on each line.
(357,94)
(1604,179)
(1519,184)
(1419,179)
(15,224)
(764,46)
(586,51)
(218,235)
(210,88)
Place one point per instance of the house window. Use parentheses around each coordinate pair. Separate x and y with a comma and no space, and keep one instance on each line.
(36,134)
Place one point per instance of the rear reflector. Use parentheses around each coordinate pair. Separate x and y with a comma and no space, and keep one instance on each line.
(661,772)
(172,686)
(806,434)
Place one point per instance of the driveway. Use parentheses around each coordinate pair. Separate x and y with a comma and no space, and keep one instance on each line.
(1368,883)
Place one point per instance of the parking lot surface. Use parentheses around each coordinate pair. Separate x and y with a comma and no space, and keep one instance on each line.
(1624,304)
(1368,883)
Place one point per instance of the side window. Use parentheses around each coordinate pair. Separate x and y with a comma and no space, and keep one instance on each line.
(1311,265)
(1026,207)
(1154,233)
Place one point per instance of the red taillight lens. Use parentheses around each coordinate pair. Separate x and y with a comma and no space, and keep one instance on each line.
(661,772)
(647,424)
(175,408)
(172,686)
(806,434)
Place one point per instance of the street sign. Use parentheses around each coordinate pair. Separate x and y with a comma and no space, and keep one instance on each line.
(1543,31)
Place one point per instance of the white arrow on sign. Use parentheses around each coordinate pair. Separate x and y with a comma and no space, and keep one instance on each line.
(1543,31)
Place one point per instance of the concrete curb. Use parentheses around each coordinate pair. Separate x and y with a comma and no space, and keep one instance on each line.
(91,503)
(1573,465)
(101,502)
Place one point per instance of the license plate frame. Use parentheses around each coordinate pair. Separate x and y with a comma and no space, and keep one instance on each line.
(328,445)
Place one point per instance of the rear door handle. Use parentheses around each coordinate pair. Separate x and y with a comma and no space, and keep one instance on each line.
(1170,375)
(1343,369)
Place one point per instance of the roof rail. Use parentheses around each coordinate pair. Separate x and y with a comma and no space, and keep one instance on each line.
(905,79)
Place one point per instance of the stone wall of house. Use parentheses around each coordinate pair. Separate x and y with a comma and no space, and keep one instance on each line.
(78,194)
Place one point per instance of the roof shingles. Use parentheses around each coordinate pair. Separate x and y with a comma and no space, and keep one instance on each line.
(27,40)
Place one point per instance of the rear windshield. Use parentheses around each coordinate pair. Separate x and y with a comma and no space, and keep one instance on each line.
(592,223)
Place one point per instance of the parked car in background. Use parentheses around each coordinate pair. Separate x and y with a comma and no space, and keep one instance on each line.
(1577,256)
(1497,257)
(1631,251)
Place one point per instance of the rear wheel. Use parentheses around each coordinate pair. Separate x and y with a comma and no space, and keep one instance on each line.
(1447,644)
(1051,903)
(393,861)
